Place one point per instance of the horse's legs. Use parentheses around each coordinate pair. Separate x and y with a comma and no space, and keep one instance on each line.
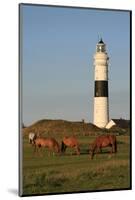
(114,146)
(93,152)
(111,149)
(51,151)
(110,155)
(96,152)
(92,155)
(38,149)
(78,150)
(35,149)
(75,147)
(100,149)
(65,148)
(57,150)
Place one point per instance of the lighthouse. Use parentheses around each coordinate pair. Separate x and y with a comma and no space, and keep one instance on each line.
(101,101)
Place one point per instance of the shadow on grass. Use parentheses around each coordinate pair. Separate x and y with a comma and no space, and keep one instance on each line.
(86,152)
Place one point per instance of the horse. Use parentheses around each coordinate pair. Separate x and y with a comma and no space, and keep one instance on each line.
(49,143)
(70,141)
(103,141)
(32,136)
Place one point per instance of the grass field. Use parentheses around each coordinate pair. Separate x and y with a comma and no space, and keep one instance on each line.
(72,173)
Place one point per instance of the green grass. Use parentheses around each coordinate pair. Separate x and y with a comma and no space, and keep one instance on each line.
(70,173)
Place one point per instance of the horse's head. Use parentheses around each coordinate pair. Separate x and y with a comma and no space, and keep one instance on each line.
(32,138)
(63,147)
(32,141)
(58,150)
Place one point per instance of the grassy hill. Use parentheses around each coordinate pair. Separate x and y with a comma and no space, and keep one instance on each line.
(47,126)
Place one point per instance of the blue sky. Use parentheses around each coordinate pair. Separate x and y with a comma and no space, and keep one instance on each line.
(58,45)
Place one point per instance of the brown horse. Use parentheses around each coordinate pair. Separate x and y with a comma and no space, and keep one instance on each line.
(71,142)
(103,141)
(49,143)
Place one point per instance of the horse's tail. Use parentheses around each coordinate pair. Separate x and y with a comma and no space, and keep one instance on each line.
(63,147)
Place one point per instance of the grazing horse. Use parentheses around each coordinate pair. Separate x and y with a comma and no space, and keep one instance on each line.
(103,141)
(32,137)
(70,141)
(49,143)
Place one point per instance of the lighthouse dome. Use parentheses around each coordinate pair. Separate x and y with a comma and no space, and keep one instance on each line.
(101,41)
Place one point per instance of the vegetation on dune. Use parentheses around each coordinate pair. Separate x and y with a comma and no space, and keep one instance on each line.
(63,127)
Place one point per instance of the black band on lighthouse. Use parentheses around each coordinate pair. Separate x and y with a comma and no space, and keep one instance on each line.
(101,88)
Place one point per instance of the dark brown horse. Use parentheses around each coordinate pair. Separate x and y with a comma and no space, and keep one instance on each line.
(103,141)
(49,143)
(71,142)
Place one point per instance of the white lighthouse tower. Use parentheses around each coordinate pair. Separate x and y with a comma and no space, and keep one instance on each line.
(101,103)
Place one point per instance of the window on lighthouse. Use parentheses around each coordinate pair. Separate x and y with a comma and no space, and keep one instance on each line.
(100,48)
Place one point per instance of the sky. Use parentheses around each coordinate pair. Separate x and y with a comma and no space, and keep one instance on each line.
(57,49)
